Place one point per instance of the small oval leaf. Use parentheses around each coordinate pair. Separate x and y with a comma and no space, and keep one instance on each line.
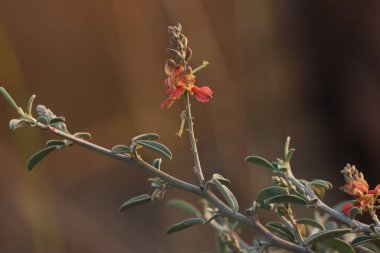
(57,120)
(16,123)
(270,192)
(221,179)
(289,199)
(355,211)
(43,120)
(83,135)
(310,222)
(361,239)
(260,162)
(157,163)
(227,195)
(58,143)
(37,157)
(120,149)
(135,201)
(322,183)
(339,245)
(156,146)
(185,224)
(184,206)
(326,235)
(146,137)
(280,230)
(289,155)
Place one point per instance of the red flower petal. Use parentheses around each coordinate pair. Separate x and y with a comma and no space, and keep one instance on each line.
(202,94)
(174,95)
(347,208)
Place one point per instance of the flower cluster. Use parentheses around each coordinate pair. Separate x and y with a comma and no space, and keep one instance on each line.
(180,76)
(357,186)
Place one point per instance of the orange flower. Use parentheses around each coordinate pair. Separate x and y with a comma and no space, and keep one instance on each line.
(357,187)
(182,80)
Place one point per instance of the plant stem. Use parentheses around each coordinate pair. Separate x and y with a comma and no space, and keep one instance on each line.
(177,183)
(197,164)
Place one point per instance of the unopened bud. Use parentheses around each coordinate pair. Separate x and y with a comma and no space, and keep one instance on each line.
(189,53)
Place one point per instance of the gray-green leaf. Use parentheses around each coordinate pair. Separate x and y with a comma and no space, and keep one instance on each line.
(227,195)
(120,149)
(157,163)
(310,222)
(354,211)
(260,162)
(135,201)
(17,123)
(339,245)
(361,239)
(270,192)
(43,120)
(184,206)
(83,135)
(146,137)
(58,143)
(280,230)
(326,235)
(289,199)
(185,224)
(57,120)
(221,179)
(156,146)
(37,157)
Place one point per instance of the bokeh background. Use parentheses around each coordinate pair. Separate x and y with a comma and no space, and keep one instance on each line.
(308,69)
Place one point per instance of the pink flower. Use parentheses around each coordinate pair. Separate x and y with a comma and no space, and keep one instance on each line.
(182,80)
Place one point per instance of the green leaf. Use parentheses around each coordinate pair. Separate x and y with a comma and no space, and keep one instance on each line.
(83,135)
(289,199)
(30,105)
(58,143)
(227,195)
(310,222)
(120,149)
(184,206)
(326,235)
(155,193)
(339,245)
(156,146)
(184,224)
(17,123)
(289,155)
(286,149)
(260,162)
(135,201)
(322,183)
(361,239)
(145,137)
(371,246)
(57,120)
(221,179)
(37,157)
(43,120)
(280,230)
(157,163)
(355,211)
(270,192)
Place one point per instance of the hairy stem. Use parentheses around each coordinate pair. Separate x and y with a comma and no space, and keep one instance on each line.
(197,164)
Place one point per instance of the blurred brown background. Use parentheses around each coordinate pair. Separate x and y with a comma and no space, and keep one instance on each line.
(308,69)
